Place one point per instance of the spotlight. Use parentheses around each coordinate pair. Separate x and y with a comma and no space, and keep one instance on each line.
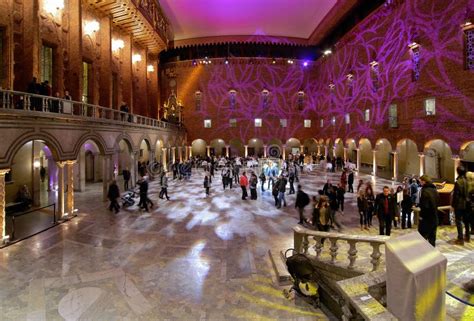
(150,68)
(91,26)
(226,61)
(305,64)
(327,52)
(136,58)
(194,63)
(413,45)
(290,61)
(117,44)
(274,61)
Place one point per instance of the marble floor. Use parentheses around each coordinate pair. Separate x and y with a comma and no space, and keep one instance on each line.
(190,258)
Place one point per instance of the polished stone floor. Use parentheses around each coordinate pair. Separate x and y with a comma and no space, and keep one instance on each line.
(190,258)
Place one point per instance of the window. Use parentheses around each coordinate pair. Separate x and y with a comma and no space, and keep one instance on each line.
(347,119)
(232,122)
(367,115)
(258,122)
(207,123)
(307,123)
(86,70)
(283,123)
(197,100)
(333,120)
(469,48)
(47,64)
(430,106)
(321,123)
(393,116)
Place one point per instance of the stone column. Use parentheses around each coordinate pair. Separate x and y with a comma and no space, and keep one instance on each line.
(180,154)
(151,156)
(301,149)
(284,152)
(345,154)
(133,169)
(358,159)
(374,162)
(319,150)
(246,150)
(3,172)
(190,151)
(227,150)
(395,165)
(173,154)
(457,163)
(326,152)
(106,170)
(334,151)
(265,150)
(70,187)
(422,163)
(208,151)
(165,159)
(60,166)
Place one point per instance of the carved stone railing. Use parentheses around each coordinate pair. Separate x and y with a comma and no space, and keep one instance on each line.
(303,237)
(16,100)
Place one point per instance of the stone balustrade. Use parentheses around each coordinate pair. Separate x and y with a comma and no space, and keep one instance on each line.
(304,236)
(16,100)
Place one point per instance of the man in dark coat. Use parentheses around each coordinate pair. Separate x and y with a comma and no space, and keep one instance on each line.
(429,200)
(302,199)
(350,181)
(385,208)
(461,207)
(126,178)
(113,194)
(143,184)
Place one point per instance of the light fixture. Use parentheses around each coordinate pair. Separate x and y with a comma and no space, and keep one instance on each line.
(374,63)
(36,164)
(150,68)
(413,45)
(327,52)
(91,26)
(290,61)
(349,76)
(52,6)
(467,24)
(136,58)
(226,61)
(274,61)
(305,64)
(194,63)
(117,44)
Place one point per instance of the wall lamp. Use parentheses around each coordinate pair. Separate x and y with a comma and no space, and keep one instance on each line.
(91,26)
(136,58)
(327,52)
(413,45)
(52,6)
(150,68)
(117,44)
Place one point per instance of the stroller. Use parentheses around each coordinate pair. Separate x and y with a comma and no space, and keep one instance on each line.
(304,274)
(128,198)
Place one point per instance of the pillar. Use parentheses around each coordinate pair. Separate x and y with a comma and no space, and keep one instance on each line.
(60,166)
(246,150)
(106,171)
(326,152)
(345,154)
(81,171)
(374,162)
(334,151)
(173,154)
(301,149)
(165,159)
(208,151)
(180,154)
(190,151)
(3,172)
(395,165)
(358,159)
(319,150)
(284,152)
(265,151)
(227,150)
(151,156)
(422,163)
(70,187)
(133,169)
(457,163)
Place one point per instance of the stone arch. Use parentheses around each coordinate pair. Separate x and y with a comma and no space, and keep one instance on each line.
(159,144)
(199,147)
(351,153)
(310,146)
(292,145)
(366,155)
(467,152)
(236,147)
(255,147)
(384,157)
(53,144)
(218,147)
(338,148)
(439,164)
(408,159)
(97,139)
(127,139)
(145,149)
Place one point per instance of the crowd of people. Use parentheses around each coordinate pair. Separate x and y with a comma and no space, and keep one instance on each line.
(392,208)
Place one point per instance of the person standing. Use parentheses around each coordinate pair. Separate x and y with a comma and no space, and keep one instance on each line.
(362,208)
(164,186)
(385,207)
(126,178)
(143,187)
(344,179)
(253,186)
(281,191)
(113,194)
(429,200)
(244,182)
(460,204)
(291,180)
(42,173)
(370,199)
(262,180)
(340,191)
(275,191)
(350,181)
(406,206)
(206,184)
(302,199)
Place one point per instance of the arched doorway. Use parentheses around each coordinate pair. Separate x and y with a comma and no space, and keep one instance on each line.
(351,153)
(274,148)
(293,146)
(124,159)
(144,154)
(236,147)
(199,147)
(408,159)
(310,146)
(218,147)
(159,151)
(366,156)
(339,148)
(88,168)
(383,159)
(439,164)
(255,147)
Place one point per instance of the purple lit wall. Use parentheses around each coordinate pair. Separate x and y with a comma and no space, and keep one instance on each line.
(383,37)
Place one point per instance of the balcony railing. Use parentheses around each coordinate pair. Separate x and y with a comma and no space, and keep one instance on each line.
(44,104)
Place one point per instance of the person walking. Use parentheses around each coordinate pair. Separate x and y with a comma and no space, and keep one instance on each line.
(113,194)
(350,181)
(262,180)
(460,204)
(207,184)
(275,187)
(253,186)
(291,180)
(362,208)
(340,192)
(126,178)
(281,191)
(385,207)
(344,179)
(164,186)
(143,191)
(429,200)
(244,182)
(302,199)
(406,206)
